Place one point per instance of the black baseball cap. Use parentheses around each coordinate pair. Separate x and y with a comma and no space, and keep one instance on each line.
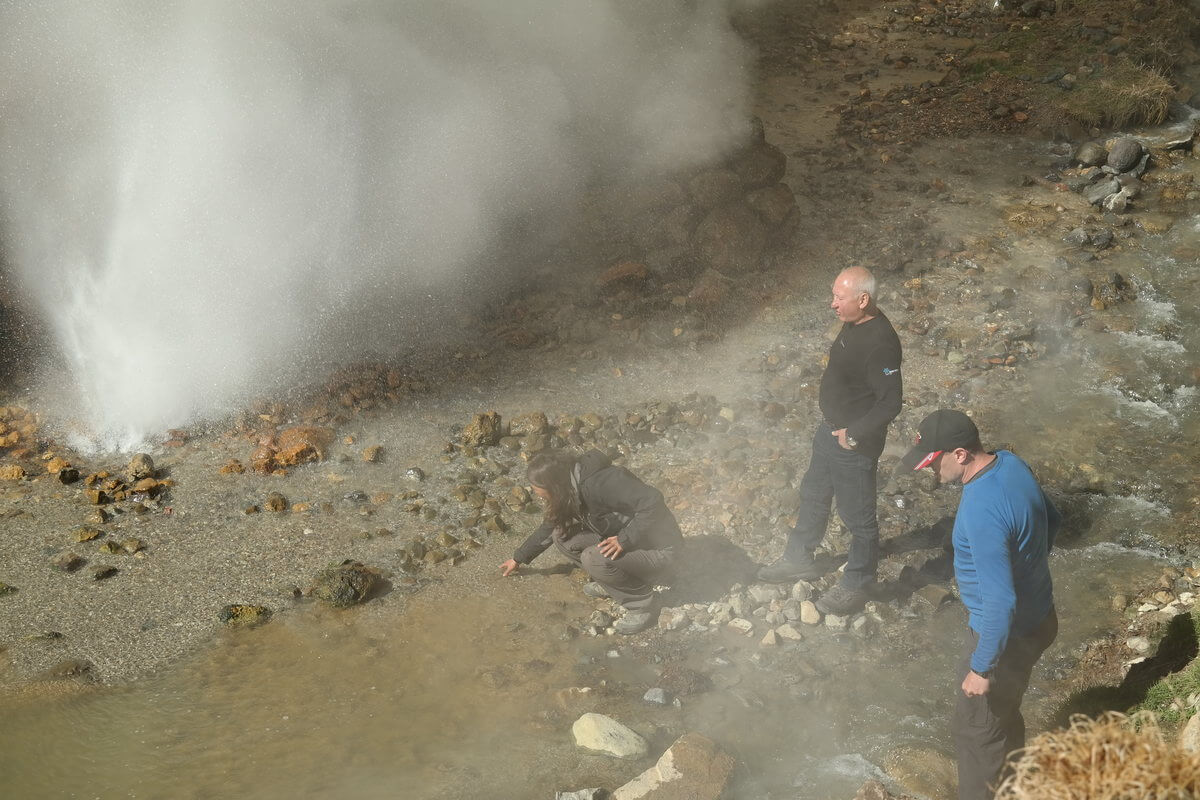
(944,429)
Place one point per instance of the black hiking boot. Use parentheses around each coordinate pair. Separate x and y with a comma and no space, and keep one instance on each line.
(841,601)
(785,570)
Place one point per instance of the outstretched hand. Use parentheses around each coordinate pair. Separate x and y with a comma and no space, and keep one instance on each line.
(840,434)
(508,567)
(610,548)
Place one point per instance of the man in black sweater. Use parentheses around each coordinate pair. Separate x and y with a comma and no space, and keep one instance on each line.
(860,394)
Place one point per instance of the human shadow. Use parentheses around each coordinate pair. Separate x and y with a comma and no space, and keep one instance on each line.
(1178,648)
(709,567)
(914,559)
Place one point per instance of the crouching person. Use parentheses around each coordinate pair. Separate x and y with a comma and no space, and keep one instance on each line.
(608,522)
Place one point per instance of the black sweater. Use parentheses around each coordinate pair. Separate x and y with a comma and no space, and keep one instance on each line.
(608,497)
(861,389)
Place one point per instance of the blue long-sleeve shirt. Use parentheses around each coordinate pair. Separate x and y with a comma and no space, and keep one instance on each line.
(1003,533)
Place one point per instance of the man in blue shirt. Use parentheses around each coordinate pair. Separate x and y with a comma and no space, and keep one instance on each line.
(1003,533)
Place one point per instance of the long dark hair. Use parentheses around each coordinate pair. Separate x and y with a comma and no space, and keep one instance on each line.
(551,470)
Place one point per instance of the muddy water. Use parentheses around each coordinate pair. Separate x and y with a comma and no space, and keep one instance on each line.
(446,700)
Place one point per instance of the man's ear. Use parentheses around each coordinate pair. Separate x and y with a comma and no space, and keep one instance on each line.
(961,455)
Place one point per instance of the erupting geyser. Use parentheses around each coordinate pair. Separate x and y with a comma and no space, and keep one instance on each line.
(197,195)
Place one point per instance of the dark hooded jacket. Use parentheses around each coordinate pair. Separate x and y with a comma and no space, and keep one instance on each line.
(612,502)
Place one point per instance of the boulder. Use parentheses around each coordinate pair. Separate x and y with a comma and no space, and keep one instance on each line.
(603,734)
(1124,154)
(1189,737)
(692,768)
(1090,154)
(141,466)
(345,584)
(761,166)
(301,445)
(773,203)
(711,188)
(731,238)
(923,771)
(484,429)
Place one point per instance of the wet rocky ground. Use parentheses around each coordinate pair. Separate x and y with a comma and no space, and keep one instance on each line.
(686,338)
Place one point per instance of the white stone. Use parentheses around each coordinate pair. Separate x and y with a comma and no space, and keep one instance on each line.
(742,626)
(603,734)
(770,640)
(1189,737)
(1138,644)
(789,633)
(809,614)
(802,590)
(836,623)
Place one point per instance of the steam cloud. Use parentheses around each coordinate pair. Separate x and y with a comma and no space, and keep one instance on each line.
(196,194)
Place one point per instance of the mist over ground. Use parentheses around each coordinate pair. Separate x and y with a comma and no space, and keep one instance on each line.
(197,196)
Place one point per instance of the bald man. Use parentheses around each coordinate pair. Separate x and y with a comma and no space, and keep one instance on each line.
(860,395)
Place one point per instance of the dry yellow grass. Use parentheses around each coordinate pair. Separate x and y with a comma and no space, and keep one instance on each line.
(1112,757)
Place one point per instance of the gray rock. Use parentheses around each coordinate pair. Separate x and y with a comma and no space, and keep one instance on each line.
(1077,237)
(1096,193)
(1117,203)
(658,696)
(763,593)
(836,623)
(1140,169)
(1124,154)
(1091,154)
(602,734)
(802,590)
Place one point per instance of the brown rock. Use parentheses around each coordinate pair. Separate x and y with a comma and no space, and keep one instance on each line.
(244,616)
(731,238)
(773,203)
(713,187)
(233,467)
(12,472)
(484,429)
(532,424)
(302,444)
(710,289)
(373,454)
(140,466)
(57,464)
(275,502)
(624,275)
(762,166)
(691,769)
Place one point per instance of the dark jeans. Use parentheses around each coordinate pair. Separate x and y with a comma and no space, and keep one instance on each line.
(848,476)
(989,727)
(630,578)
